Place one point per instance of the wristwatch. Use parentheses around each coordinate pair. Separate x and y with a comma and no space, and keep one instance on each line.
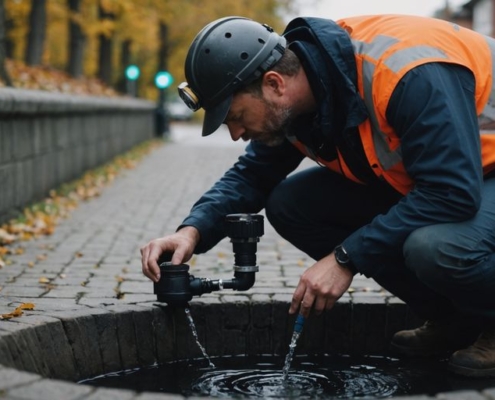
(343,259)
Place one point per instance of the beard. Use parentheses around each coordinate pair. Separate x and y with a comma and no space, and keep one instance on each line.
(275,124)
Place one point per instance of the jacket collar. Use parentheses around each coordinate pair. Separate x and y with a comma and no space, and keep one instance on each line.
(341,106)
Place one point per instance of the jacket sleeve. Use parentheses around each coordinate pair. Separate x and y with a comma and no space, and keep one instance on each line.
(433,112)
(243,189)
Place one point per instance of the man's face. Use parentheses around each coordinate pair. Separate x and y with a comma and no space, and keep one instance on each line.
(254,118)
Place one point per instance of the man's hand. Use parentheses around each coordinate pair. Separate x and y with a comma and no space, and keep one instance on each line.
(181,244)
(320,286)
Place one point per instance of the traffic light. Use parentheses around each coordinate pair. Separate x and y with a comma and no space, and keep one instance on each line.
(163,79)
(132,72)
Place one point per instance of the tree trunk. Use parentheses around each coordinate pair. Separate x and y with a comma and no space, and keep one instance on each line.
(125,61)
(4,76)
(36,35)
(105,53)
(164,50)
(76,42)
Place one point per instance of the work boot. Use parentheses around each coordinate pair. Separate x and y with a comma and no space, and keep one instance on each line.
(478,360)
(434,338)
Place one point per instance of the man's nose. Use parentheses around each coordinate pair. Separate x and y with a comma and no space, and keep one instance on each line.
(236,131)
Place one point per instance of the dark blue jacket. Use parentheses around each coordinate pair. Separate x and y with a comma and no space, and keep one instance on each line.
(432,110)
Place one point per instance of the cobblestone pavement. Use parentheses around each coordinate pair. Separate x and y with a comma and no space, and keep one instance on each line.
(92,261)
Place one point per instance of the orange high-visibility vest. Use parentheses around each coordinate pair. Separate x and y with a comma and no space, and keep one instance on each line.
(386,48)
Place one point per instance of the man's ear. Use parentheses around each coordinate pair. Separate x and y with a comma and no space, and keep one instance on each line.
(273,84)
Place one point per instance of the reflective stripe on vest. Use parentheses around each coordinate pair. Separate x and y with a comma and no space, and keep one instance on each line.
(386,58)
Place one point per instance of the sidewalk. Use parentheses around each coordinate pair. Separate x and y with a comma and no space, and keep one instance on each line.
(93,258)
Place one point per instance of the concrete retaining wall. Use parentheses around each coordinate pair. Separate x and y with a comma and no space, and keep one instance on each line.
(48,138)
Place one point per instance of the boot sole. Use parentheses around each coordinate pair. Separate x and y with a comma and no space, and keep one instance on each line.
(471,372)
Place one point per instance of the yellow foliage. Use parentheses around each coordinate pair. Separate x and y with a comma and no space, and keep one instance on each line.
(138,21)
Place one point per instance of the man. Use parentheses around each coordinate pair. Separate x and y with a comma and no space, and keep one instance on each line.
(396,110)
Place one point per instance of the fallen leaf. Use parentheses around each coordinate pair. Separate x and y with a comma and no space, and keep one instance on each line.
(18,311)
(26,306)
(44,280)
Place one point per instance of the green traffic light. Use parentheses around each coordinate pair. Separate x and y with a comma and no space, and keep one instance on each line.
(132,72)
(163,79)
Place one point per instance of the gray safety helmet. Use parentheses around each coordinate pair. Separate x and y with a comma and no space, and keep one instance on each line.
(225,55)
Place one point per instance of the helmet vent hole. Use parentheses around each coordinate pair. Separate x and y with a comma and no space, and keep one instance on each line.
(228,35)
(261,41)
(207,51)
(244,55)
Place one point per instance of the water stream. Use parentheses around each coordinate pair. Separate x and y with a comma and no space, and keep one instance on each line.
(298,327)
(290,355)
(195,334)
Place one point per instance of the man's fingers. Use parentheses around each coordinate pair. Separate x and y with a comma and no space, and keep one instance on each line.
(149,256)
(296,299)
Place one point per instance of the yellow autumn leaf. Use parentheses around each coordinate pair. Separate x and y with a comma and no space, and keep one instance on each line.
(26,306)
(44,280)
(18,311)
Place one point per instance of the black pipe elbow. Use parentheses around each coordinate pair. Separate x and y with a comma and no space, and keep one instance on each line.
(243,281)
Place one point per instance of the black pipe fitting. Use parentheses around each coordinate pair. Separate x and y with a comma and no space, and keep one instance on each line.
(177,287)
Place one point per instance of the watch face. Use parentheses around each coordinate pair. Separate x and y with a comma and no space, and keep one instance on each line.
(341,256)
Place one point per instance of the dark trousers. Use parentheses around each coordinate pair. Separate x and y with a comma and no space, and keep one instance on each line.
(446,269)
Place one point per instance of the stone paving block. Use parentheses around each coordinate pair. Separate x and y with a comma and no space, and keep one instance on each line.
(64,292)
(312,339)
(81,333)
(281,330)
(259,336)
(109,293)
(158,396)
(23,292)
(461,395)
(20,352)
(145,340)
(54,345)
(110,394)
(5,354)
(137,298)
(338,329)
(32,352)
(235,322)
(11,378)
(163,330)
(214,330)
(127,339)
(49,389)
(106,327)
